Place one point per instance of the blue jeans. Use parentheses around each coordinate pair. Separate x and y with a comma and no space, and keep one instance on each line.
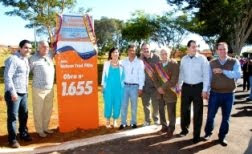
(225,102)
(250,81)
(16,109)
(130,92)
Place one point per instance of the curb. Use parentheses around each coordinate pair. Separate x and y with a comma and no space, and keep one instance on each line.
(87,141)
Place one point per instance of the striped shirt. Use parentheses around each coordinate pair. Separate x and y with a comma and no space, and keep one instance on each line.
(16,74)
(43,71)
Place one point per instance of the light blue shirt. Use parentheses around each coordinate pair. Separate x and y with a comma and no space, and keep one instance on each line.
(134,71)
(16,74)
(194,70)
(235,73)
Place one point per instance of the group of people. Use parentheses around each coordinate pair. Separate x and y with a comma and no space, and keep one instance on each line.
(158,80)
(16,79)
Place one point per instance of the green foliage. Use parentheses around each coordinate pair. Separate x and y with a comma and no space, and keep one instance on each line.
(165,30)
(223,20)
(182,48)
(170,29)
(108,33)
(140,28)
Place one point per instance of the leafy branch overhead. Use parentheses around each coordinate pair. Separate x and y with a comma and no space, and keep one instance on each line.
(222,20)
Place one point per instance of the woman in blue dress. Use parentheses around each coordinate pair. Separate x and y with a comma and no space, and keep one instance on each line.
(112,87)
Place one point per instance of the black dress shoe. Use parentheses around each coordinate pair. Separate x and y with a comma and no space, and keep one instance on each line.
(162,131)
(223,142)
(14,144)
(196,140)
(169,134)
(25,137)
(207,137)
(183,133)
(133,126)
(122,126)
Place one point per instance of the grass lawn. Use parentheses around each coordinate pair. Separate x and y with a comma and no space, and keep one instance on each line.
(57,136)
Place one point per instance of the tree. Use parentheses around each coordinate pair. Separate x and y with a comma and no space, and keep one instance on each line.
(140,28)
(108,33)
(40,13)
(223,20)
(170,29)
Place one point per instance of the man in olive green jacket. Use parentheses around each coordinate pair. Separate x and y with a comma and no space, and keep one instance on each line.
(166,78)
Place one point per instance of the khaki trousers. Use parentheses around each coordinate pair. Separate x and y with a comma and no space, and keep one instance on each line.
(42,101)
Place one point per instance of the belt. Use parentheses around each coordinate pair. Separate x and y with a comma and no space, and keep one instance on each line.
(131,84)
(192,85)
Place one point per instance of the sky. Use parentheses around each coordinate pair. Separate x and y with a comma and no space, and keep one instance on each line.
(12,28)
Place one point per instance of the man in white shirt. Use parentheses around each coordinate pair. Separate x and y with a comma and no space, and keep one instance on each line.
(133,86)
(194,75)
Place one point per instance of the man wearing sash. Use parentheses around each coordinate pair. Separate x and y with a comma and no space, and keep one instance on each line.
(166,78)
(149,90)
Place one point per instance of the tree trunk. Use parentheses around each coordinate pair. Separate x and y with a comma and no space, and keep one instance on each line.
(242,30)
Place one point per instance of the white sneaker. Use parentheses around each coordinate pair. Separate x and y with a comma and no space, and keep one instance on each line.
(49,131)
(42,134)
